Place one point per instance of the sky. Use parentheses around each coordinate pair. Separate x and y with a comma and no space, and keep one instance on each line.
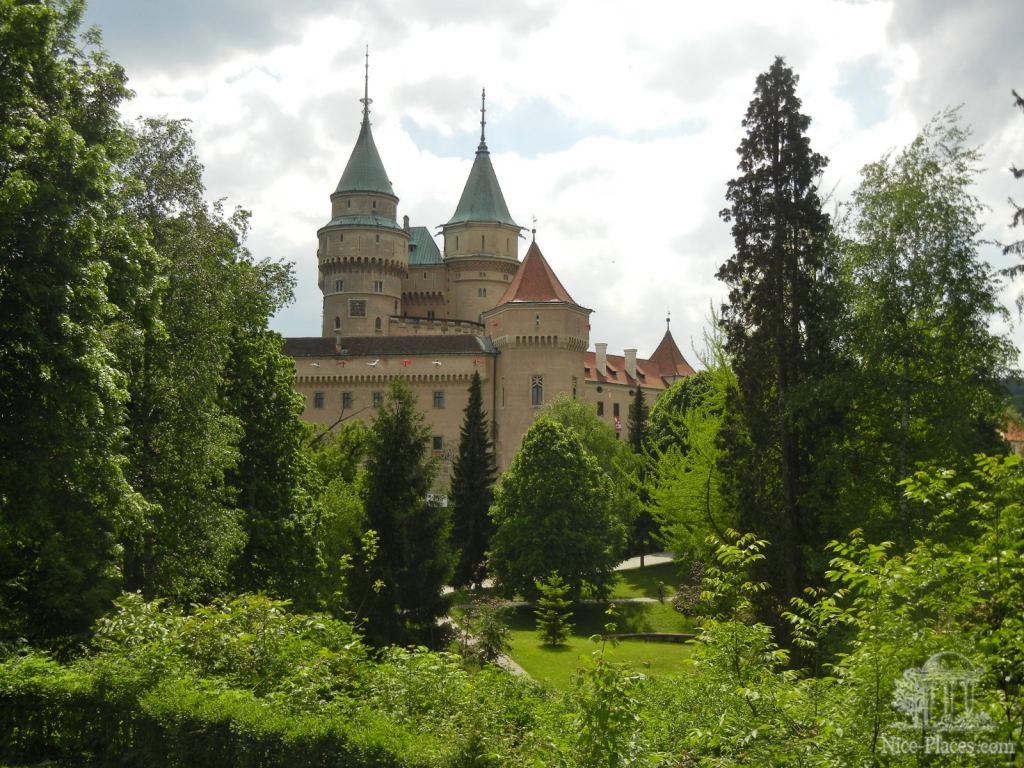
(613,128)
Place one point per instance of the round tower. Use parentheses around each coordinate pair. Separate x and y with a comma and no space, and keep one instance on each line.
(481,241)
(542,336)
(363,252)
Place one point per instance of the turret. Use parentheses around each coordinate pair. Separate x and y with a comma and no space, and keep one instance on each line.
(363,252)
(542,336)
(481,241)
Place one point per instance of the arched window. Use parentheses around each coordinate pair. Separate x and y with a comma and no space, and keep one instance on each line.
(337,322)
(537,390)
(377,324)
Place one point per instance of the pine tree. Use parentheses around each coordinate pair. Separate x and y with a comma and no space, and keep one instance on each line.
(778,327)
(398,594)
(471,494)
(552,612)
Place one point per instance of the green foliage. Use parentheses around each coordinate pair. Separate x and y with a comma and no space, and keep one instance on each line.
(607,714)
(338,481)
(413,562)
(780,325)
(486,633)
(1017,247)
(473,476)
(638,414)
(684,480)
(554,617)
(553,512)
(247,683)
(665,427)
(274,474)
(928,387)
(62,396)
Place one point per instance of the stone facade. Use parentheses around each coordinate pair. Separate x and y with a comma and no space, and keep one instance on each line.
(396,305)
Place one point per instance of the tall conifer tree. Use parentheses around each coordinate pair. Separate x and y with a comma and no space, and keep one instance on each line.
(472,491)
(398,592)
(777,327)
(638,421)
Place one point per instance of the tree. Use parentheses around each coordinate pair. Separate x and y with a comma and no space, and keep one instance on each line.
(413,560)
(638,421)
(642,525)
(553,613)
(339,481)
(473,476)
(1017,247)
(62,396)
(274,474)
(619,463)
(183,439)
(779,329)
(684,479)
(553,513)
(928,387)
(665,425)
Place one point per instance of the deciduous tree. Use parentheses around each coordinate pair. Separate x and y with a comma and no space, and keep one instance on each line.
(928,386)
(553,513)
(62,396)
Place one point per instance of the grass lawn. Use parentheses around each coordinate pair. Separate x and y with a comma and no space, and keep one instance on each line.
(643,582)
(557,665)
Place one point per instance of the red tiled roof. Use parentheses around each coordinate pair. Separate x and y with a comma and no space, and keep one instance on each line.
(669,359)
(1014,432)
(665,366)
(535,281)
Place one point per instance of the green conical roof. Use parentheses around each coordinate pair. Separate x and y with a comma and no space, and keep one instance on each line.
(365,171)
(482,199)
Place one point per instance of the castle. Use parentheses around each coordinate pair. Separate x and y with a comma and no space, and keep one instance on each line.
(396,305)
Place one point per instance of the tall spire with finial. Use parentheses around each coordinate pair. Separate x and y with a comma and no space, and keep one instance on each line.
(483,118)
(365,172)
(481,199)
(366,101)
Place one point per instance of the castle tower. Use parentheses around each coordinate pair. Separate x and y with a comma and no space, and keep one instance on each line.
(481,241)
(542,336)
(363,252)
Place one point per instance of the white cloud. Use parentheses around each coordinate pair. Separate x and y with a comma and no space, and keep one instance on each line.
(646,101)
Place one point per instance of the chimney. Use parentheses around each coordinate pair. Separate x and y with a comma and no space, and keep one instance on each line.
(631,363)
(601,362)
(405,223)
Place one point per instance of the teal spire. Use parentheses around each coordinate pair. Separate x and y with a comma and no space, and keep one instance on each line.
(365,171)
(481,199)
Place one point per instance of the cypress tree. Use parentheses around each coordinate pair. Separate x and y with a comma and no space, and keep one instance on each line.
(472,491)
(778,328)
